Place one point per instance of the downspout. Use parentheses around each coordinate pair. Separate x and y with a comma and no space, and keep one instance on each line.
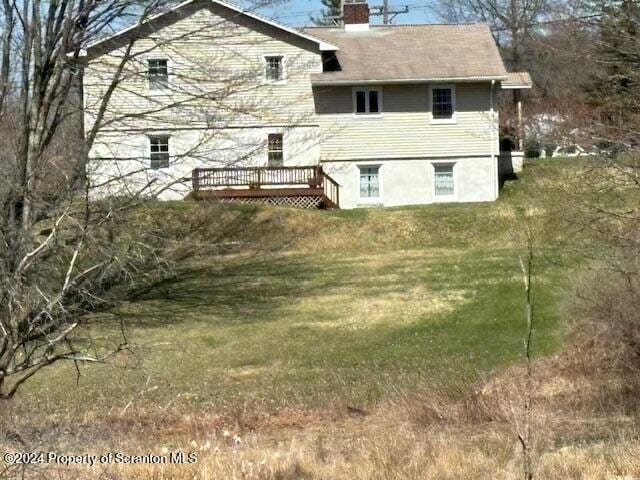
(494,158)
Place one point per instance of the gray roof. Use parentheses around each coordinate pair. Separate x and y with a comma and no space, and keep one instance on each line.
(404,53)
(517,80)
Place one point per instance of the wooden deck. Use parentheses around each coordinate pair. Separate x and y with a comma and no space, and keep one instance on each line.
(301,187)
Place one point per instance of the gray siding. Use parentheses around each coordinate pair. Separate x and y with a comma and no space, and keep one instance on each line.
(404,129)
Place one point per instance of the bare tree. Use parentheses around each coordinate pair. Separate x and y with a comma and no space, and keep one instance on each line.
(49,281)
(513,22)
(525,435)
(603,200)
(67,249)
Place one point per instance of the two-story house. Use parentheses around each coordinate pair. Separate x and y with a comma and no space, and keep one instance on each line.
(211,97)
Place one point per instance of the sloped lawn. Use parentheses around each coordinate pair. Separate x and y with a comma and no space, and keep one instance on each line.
(354,306)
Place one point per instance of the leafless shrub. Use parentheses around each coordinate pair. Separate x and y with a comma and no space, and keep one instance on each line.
(609,319)
(447,403)
(63,253)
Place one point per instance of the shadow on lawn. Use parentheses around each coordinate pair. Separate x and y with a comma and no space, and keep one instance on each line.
(235,291)
(224,291)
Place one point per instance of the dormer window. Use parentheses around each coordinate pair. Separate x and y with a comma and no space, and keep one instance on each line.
(330,62)
(158,71)
(274,70)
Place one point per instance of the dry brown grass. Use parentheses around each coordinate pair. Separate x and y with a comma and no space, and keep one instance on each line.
(585,426)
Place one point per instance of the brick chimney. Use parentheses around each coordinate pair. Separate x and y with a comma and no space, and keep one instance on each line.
(355,15)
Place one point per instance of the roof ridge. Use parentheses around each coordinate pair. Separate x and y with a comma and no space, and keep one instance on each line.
(413,53)
(458,24)
(223,3)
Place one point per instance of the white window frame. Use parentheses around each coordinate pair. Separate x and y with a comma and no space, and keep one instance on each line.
(170,151)
(283,149)
(454,172)
(367,113)
(370,200)
(161,90)
(283,65)
(442,121)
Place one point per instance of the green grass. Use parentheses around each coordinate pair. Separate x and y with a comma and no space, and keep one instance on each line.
(347,306)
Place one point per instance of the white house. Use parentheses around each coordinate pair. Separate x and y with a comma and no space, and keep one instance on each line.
(212,98)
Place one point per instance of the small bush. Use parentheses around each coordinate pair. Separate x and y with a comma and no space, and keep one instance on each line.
(532,148)
(549,149)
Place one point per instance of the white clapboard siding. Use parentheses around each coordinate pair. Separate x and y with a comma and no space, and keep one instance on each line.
(216,63)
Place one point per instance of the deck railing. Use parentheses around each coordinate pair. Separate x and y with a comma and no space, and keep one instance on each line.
(331,189)
(257,177)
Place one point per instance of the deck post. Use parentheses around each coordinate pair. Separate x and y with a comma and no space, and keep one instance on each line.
(195,179)
(517,98)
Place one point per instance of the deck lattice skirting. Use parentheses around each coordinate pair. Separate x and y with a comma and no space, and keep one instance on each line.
(295,201)
(299,187)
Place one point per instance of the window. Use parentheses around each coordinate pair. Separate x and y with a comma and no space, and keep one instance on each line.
(274,71)
(159,152)
(276,152)
(442,103)
(369,182)
(158,73)
(444,183)
(367,101)
(361,101)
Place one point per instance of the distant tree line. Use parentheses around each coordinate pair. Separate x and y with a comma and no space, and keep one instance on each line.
(582,55)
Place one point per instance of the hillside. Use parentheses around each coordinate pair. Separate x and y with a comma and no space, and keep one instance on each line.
(283,324)
(298,308)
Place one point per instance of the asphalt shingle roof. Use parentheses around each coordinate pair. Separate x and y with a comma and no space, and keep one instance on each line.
(517,80)
(412,52)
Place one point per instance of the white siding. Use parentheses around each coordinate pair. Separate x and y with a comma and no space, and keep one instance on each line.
(217,76)
(411,182)
(219,108)
(126,155)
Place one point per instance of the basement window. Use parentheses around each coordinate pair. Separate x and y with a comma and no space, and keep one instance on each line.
(367,101)
(158,72)
(276,150)
(159,152)
(444,183)
(369,183)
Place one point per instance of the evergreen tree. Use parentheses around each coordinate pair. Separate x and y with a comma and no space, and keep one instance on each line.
(331,14)
(617,88)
